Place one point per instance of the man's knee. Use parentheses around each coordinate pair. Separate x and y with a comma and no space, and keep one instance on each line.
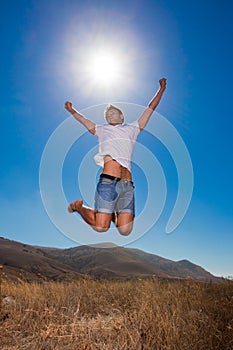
(103,222)
(101,229)
(125,223)
(125,230)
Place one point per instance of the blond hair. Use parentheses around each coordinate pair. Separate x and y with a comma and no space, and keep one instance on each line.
(110,106)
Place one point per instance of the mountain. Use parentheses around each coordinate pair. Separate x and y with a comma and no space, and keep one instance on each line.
(22,262)
(30,263)
(123,263)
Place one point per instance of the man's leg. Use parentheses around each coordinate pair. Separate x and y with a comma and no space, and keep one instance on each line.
(125,208)
(100,222)
(124,223)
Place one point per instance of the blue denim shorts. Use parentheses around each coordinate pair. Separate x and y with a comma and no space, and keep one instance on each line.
(114,195)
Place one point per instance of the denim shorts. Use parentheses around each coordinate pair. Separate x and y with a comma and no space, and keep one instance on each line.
(114,195)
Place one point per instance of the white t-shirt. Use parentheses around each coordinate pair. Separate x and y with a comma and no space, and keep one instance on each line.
(118,142)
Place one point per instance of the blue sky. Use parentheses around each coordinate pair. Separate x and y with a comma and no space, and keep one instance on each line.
(44,48)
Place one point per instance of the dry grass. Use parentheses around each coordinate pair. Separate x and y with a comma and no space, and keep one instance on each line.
(117,315)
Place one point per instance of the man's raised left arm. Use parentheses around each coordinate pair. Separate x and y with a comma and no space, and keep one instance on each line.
(144,118)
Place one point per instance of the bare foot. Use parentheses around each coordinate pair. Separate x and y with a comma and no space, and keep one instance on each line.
(75,206)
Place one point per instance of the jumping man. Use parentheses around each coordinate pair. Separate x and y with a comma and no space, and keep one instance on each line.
(114,197)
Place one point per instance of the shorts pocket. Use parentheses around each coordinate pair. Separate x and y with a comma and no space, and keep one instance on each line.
(106,181)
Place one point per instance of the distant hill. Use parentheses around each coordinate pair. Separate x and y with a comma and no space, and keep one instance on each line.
(122,263)
(27,262)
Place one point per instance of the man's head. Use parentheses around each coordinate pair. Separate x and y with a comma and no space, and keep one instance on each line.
(113,115)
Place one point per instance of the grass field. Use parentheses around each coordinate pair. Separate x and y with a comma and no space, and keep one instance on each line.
(151,314)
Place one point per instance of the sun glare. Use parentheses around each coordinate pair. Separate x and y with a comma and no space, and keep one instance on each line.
(104,68)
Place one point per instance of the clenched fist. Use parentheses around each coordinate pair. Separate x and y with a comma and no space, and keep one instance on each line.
(162,83)
(68,106)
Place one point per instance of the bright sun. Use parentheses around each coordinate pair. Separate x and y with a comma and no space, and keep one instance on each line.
(104,68)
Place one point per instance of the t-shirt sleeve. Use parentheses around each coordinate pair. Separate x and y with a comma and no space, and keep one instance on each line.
(135,128)
(135,123)
(98,129)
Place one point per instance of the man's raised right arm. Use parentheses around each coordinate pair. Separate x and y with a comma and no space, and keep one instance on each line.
(89,125)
